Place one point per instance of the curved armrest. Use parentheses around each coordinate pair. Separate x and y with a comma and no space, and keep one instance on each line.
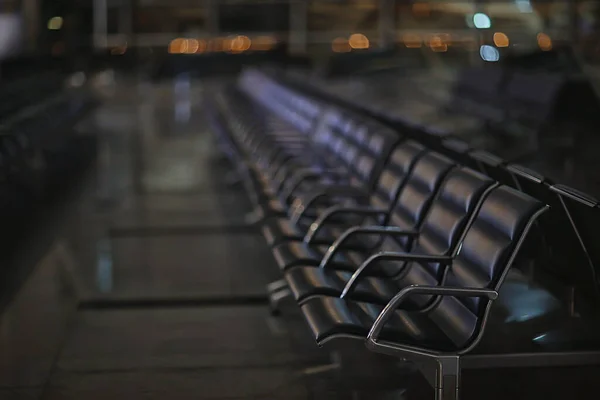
(391,307)
(301,175)
(306,202)
(316,226)
(275,169)
(391,256)
(280,170)
(290,186)
(356,230)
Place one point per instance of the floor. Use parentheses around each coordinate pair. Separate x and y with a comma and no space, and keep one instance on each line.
(149,285)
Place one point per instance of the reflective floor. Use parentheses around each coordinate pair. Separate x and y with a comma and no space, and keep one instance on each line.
(148,284)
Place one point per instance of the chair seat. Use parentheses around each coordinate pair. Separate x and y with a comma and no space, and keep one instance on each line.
(297,253)
(329,317)
(277,230)
(307,281)
(274,207)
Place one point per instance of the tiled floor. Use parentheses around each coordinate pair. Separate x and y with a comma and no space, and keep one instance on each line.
(155,222)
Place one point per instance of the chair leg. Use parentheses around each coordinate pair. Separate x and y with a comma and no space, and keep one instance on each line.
(232,179)
(334,366)
(276,298)
(254,217)
(447,381)
(276,285)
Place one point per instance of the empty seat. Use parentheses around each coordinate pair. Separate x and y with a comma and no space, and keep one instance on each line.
(404,208)
(450,323)
(492,166)
(381,196)
(439,234)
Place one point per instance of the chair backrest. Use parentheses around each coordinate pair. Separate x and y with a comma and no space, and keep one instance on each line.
(445,222)
(376,144)
(492,166)
(444,225)
(332,144)
(354,148)
(483,259)
(421,186)
(458,149)
(395,173)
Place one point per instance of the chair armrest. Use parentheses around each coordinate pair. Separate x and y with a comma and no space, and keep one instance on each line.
(391,256)
(387,313)
(289,187)
(303,204)
(357,230)
(316,226)
(301,175)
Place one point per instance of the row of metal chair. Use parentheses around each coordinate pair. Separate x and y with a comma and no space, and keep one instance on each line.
(571,260)
(378,237)
(39,154)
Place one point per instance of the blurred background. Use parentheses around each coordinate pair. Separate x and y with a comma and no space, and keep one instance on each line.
(315,28)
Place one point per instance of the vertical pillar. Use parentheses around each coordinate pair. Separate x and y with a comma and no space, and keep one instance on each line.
(100,24)
(298,34)
(212,17)
(387,23)
(31,18)
(574,22)
(126,20)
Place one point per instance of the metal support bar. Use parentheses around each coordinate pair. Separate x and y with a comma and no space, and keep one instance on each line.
(126,20)
(212,22)
(447,378)
(298,27)
(525,360)
(100,24)
(387,23)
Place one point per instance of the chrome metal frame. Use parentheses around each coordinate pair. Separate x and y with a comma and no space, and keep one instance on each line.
(361,230)
(441,368)
(316,226)
(392,256)
(301,205)
(287,186)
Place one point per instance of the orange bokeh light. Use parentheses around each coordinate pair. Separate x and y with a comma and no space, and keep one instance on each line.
(544,42)
(240,44)
(358,41)
(412,41)
(501,40)
(340,45)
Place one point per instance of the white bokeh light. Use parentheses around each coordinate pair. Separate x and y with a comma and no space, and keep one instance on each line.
(489,53)
(482,21)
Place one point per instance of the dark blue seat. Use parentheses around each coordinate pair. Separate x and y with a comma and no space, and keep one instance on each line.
(454,318)
(403,207)
(439,233)
(380,195)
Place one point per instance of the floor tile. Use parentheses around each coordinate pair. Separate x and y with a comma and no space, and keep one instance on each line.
(204,337)
(209,383)
(176,265)
(20,393)
(34,325)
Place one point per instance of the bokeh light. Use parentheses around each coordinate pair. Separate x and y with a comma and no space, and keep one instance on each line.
(340,45)
(501,39)
(358,41)
(544,41)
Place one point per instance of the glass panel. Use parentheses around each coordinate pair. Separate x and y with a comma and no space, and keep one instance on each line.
(350,16)
(169,19)
(254,17)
